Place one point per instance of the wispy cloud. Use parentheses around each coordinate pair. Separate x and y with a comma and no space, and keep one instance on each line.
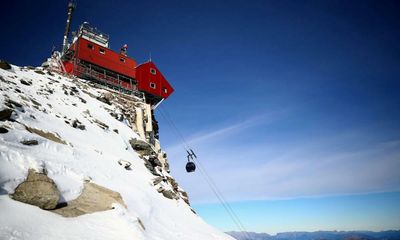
(235,128)
(319,166)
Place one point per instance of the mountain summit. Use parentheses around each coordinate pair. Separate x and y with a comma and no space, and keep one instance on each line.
(78,161)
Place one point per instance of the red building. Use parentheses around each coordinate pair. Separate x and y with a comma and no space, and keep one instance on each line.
(152,82)
(90,57)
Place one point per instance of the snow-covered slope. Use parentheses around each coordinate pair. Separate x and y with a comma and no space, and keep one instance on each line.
(53,103)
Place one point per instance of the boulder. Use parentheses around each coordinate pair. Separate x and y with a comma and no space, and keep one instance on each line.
(173,183)
(48,135)
(5,114)
(155,162)
(126,164)
(169,194)
(27,83)
(105,99)
(94,198)
(77,124)
(142,147)
(30,142)
(12,104)
(5,65)
(157,180)
(149,166)
(3,130)
(39,190)
(185,197)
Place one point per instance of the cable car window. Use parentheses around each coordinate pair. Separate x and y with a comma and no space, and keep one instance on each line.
(122,59)
(102,51)
(165,90)
(153,85)
(90,46)
(153,71)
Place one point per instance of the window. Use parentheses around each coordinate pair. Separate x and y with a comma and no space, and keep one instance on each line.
(90,46)
(165,90)
(102,51)
(122,59)
(153,85)
(153,71)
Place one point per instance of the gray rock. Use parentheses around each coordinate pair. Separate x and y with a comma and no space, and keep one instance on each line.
(5,114)
(142,147)
(126,164)
(5,65)
(39,190)
(157,180)
(77,124)
(48,135)
(94,198)
(173,183)
(3,130)
(149,166)
(27,83)
(30,142)
(169,194)
(12,104)
(155,161)
(104,99)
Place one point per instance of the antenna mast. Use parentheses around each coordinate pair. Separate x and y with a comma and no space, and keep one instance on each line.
(71,8)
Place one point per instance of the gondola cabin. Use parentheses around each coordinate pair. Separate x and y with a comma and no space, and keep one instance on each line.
(89,57)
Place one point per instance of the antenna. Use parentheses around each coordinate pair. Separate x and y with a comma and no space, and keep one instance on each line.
(149,56)
(71,8)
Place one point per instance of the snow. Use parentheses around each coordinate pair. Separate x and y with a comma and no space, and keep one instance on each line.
(90,154)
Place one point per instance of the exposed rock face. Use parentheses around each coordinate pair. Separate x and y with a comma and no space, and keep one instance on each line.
(94,198)
(39,190)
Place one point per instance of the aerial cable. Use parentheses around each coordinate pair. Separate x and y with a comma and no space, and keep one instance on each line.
(174,128)
(204,173)
(221,198)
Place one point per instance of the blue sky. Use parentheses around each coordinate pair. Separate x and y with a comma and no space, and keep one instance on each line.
(293,104)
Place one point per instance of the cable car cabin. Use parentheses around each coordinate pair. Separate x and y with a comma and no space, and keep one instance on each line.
(90,58)
(152,82)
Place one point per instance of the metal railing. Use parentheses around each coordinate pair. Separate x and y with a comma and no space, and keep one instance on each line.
(104,77)
(93,33)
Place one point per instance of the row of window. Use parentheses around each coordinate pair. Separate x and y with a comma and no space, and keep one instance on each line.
(103,51)
(152,70)
(153,86)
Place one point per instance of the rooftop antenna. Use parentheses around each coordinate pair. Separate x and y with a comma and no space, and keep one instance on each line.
(71,8)
(149,56)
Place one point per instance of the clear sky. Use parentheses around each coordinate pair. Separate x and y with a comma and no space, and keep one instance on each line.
(292,106)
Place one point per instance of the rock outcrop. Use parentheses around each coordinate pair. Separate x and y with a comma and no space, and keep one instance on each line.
(48,135)
(5,65)
(141,147)
(39,190)
(5,114)
(94,198)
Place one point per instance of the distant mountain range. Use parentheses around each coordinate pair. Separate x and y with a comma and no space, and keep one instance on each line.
(320,235)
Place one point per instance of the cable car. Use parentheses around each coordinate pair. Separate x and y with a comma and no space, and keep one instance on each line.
(190,166)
